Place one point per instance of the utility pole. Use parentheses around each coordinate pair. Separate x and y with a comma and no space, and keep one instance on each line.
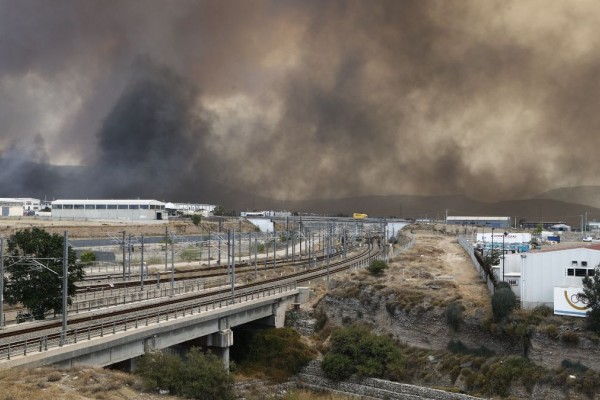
(65,281)
(123,242)
(219,235)
(287,237)
(172,264)
(255,254)
(129,256)
(142,266)
(233,269)
(166,248)
(208,258)
(1,282)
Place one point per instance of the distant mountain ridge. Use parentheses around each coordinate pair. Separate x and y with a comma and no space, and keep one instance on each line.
(434,207)
(28,179)
(586,195)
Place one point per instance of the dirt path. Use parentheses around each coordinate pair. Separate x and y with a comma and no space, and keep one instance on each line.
(438,257)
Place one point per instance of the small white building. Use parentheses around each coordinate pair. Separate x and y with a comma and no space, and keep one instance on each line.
(27,203)
(190,208)
(130,210)
(10,208)
(534,276)
(491,222)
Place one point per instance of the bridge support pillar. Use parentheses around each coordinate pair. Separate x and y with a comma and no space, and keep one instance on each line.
(222,340)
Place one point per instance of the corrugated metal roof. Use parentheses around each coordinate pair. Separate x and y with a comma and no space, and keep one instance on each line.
(458,218)
(104,201)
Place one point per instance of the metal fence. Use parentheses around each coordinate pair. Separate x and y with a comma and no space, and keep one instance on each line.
(43,343)
(469,250)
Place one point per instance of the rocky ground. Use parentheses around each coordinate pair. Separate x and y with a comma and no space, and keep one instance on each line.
(410,301)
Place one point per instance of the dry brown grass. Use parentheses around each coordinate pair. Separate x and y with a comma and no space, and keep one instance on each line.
(48,383)
(433,273)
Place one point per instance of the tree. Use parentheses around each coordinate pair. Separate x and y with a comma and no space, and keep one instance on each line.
(160,370)
(357,350)
(503,302)
(591,297)
(88,257)
(35,268)
(200,376)
(377,267)
(196,219)
(219,210)
(204,377)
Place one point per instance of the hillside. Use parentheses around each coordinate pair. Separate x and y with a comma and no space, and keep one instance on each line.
(412,304)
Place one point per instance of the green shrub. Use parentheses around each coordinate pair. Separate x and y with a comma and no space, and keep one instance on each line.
(201,376)
(569,338)
(552,332)
(459,348)
(337,366)
(575,366)
(369,354)
(453,315)
(321,320)
(278,353)
(377,267)
(503,302)
(189,255)
(196,219)
(502,285)
(88,257)
(160,370)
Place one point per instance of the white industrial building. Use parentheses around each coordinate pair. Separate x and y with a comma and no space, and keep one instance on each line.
(491,222)
(552,277)
(11,208)
(190,208)
(130,210)
(27,203)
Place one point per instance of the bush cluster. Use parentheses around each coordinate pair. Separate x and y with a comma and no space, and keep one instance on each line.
(88,257)
(503,302)
(377,267)
(200,376)
(277,353)
(356,350)
(453,315)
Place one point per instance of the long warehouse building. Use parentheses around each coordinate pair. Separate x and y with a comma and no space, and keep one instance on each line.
(130,210)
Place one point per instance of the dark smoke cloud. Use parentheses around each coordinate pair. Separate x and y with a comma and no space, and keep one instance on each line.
(296,100)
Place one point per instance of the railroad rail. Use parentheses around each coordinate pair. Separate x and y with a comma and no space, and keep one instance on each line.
(42,336)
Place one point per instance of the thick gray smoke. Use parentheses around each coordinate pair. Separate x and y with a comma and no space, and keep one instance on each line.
(296,100)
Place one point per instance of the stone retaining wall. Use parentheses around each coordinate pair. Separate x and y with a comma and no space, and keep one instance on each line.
(312,377)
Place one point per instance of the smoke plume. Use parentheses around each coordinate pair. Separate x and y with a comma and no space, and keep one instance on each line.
(290,100)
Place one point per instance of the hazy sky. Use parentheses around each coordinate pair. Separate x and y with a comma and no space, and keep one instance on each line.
(306,99)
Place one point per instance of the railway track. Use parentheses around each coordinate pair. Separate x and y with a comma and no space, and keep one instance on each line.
(48,334)
(205,272)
